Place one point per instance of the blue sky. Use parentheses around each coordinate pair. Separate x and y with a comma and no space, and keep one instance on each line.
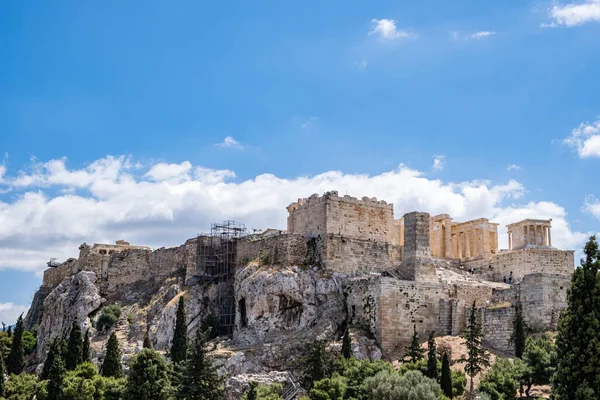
(148,121)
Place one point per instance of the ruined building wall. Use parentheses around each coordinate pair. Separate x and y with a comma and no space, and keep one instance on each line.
(350,256)
(283,250)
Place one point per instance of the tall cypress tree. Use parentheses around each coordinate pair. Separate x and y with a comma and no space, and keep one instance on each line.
(86,354)
(432,371)
(147,341)
(112,362)
(74,348)
(477,356)
(56,376)
(347,344)
(179,346)
(9,331)
(16,358)
(1,376)
(55,351)
(578,341)
(414,351)
(519,335)
(446,378)
(148,378)
(200,380)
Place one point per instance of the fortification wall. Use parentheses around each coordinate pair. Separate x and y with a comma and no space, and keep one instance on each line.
(351,256)
(524,262)
(497,326)
(54,276)
(284,249)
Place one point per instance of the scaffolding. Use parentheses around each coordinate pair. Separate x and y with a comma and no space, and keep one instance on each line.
(216,261)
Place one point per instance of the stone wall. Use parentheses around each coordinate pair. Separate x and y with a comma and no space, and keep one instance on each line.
(54,276)
(283,250)
(497,327)
(351,256)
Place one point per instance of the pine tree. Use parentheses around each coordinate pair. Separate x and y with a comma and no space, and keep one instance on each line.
(1,377)
(148,377)
(55,351)
(414,351)
(317,365)
(477,356)
(147,341)
(251,392)
(347,344)
(519,335)
(16,357)
(200,380)
(446,378)
(112,362)
(179,346)
(432,371)
(74,348)
(56,376)
(86,354)
(577,344)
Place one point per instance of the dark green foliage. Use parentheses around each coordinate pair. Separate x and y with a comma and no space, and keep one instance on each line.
(147,341)
(578,341)
(9,331)
(16,357)
(251,392)
(74,348)
(317,365)
(1,377)
(501,381)
(210,326)
(446,379)
(5,345)
(519,335)
(108,317)
(111,367)
(264,392)
(86,354)
(414,351)
(540,361)
(355,372)
(432,371)
(179,345)
(148,377)
(24,387)
(390,385)
(56,376)
(29,342)
(347,344)
(55,351)
(200,380)
(477,356)
(333,388)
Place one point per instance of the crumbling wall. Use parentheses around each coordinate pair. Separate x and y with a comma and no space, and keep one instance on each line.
(54,276)
(351,256)
(497,327)
(284,250)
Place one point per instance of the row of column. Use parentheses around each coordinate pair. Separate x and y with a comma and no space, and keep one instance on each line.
(462,244)
(536,235)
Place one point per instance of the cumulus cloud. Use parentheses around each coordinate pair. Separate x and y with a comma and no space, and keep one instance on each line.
(439,162)
(514,167)
(386,29)
(230,142)
(585,139)
(592,206)
(480,35)
(168,203)
(574,14)
(9,312)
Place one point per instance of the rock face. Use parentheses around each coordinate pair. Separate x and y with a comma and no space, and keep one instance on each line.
(72,300)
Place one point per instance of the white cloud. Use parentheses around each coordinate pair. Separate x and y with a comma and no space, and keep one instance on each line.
(514,167)
(156,207)
(9,312)
(592,206)
(386,29)
(585,139)
(574,14)
(231,143)
(480,35)
(361,65)
(439,162)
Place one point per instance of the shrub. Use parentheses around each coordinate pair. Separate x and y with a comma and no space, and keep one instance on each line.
(108,317)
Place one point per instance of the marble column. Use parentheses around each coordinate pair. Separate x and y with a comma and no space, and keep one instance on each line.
(549,238)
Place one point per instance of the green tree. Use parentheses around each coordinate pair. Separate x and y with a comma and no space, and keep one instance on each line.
(108,317)
(502,380)
(55,351)
(29,342)
(432,371)
(519,328)
(16,358)
(251,394)
(56,376)
(1,376)
(333,388)
(273,391)
(200,380)
(9,331)
(578,341)
(347,344)
(74,348)
(83,383)
(24,387)
(356,372)
(148,377)
(414,351)
(112,362)
(446,379)
(147,341)
(477,356)
(391,386)
(316,365)
(179,346)
(540,361)
(86,354)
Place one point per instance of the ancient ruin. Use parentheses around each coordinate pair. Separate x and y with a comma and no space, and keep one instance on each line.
(342,260)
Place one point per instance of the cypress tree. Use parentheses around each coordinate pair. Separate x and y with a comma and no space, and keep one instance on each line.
(148,378)
(112,362)
(432,371)
(55,351)
(9,331)
(16,357)
(200,380)
(477,356)
(56,376)
(446,379)
(1,376)
(519,330)
(86,354)
(251,393)
(577,344)
(179,346)
(414,351)
(147,341)
(347,344)
(74,348)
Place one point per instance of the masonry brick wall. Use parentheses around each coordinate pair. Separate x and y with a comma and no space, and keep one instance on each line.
(285,249)
(498,329)
(348,255)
